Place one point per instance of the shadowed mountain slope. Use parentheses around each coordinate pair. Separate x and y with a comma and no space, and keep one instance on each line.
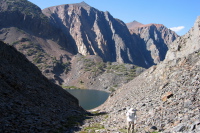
(29,101)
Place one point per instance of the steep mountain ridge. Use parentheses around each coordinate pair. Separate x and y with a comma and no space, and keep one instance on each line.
(95,32)
(167,96)
(133,26)
(29,101)
(152,41)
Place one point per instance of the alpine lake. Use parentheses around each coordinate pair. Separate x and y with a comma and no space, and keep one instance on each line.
(89,99)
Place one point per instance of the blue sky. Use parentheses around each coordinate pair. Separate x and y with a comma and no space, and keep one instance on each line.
(177,14)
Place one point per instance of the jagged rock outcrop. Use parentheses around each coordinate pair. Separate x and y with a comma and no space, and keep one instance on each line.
(29,101)
(167,96)
(152,41)
(187,44)
(94,32)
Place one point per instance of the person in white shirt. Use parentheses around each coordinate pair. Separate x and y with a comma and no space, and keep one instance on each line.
(131,120)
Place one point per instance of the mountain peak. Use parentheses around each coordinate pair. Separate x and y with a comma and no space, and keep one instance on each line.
(134,24)
(135,21)
(23,6)
(83,4)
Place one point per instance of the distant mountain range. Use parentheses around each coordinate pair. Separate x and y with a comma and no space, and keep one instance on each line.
(51,37)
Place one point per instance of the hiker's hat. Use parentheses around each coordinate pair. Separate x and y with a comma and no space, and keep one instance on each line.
(133,110)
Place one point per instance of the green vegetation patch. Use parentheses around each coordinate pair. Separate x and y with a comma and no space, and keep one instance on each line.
(92,66)
(123,130)
(93,127)
(112,89)
(72,121)
(125,70)
(69,87)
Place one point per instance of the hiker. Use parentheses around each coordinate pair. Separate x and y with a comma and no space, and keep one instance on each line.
(131,120)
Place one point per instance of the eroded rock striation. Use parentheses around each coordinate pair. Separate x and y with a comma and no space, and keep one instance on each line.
(152,41)
(94,32)
(29,101)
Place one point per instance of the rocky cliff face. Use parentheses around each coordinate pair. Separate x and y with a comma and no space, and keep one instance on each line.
(94,32)
(183,46)
(29,101)
(167,96)
(152,41)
